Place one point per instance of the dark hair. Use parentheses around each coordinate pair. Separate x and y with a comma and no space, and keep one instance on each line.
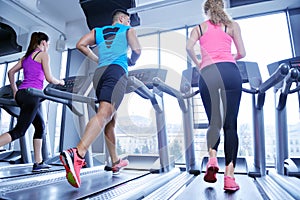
(35,40)
(117,12)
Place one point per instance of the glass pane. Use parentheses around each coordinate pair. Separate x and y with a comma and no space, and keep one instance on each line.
(199,118)
(5,118)
(2,72)
(260,35)
(59,113)
(4,125)
(263,49)
(136,123)
(173,58)
(293,122)
(9,66)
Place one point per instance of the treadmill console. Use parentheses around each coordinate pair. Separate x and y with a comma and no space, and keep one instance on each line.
(6,91)
(190,77)
(146,75)
(295,64)
(292,62)
(73,84)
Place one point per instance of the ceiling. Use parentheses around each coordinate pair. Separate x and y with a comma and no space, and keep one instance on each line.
(54,13)
(67,17)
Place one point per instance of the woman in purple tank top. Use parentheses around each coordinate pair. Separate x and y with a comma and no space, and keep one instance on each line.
(35,65)
(220,85)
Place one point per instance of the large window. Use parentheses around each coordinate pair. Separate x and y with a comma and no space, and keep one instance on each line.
(6,118)
(2,71)
(136,122)
(174,59)
(59,112)
(166,50)
(266,40)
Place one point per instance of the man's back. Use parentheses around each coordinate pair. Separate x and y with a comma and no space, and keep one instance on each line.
(112,44)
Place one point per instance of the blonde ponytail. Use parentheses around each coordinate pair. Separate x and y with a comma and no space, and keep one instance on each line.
(215,10)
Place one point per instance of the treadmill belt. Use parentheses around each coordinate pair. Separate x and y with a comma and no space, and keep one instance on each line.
(19,170)
(200,188)
(55,186)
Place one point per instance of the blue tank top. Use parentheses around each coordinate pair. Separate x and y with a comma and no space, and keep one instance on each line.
(112,45)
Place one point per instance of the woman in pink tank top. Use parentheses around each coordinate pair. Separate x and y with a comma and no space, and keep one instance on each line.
(220,85)
(35,65)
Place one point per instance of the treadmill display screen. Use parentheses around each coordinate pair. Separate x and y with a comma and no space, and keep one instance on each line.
(295,64)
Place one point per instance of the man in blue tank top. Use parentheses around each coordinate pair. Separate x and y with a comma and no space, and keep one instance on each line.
(110,81)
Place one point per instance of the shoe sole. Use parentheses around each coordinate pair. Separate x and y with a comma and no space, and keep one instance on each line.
(210,174)
(70,172)
(231,189)
(119,170)
(41,170)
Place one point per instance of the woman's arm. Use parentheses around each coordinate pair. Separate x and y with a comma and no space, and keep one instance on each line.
(46,67)
(194,37)
(11,76)
(238,41)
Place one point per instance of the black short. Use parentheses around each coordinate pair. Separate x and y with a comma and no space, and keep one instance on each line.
(110,84)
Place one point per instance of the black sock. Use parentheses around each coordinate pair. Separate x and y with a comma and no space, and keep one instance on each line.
(115,163)
(40,162)
(78,154)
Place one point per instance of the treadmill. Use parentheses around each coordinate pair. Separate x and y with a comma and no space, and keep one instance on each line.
(96,182)
(8,104)
(285,165)
(24,167)
(197,187)
(283,181)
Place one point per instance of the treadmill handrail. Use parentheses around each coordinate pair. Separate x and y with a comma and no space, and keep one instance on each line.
(250,91)
(275,78)
(162,86)
(69,96)
(297,89)
(159,84)
(8,102)
(41,94)
(285,90)
(139,87)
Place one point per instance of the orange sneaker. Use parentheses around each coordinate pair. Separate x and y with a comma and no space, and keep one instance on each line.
(230,184)
(73,164)
(212,169)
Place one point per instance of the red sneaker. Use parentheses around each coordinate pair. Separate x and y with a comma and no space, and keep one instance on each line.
(117,166)
(73,165)
(230,184)
(212,169)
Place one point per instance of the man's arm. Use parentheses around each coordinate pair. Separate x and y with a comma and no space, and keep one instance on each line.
(84,44)
(135,46)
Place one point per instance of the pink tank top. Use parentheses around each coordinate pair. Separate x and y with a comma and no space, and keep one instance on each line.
(33,74)
(215,46)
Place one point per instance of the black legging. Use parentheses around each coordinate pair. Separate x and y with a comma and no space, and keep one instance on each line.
(220,89)
(30,112)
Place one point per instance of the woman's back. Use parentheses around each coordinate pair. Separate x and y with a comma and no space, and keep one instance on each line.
(33,72)
(215,44)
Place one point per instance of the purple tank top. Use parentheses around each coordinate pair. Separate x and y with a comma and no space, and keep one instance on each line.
(33,74)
